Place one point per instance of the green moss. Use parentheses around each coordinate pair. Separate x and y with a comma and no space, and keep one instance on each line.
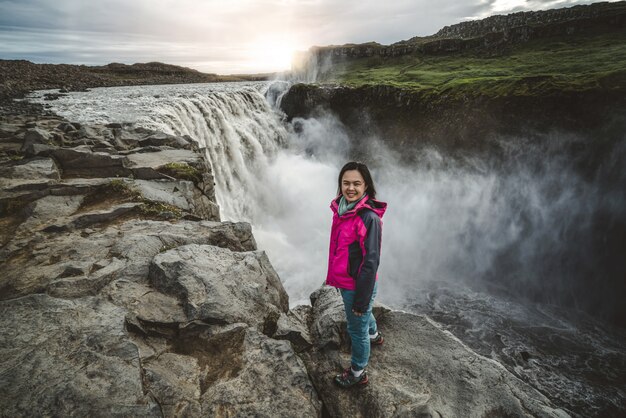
(539,67)
(115,191)
(160,210)
(148,208)
(182,171)
(168,247)
(120,187)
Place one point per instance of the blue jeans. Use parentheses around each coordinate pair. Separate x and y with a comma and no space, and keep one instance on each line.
(359,328)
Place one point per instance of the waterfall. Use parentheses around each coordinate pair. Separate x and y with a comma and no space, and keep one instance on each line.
(527,222)
(266,173)
(463,237)
(240,135)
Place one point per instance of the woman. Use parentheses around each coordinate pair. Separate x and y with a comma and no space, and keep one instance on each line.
(355,243)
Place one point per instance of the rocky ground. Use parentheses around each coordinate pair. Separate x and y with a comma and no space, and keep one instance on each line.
(122,294)
(17,77)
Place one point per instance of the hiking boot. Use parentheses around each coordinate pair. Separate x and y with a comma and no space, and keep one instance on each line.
(379,340)
(347,380)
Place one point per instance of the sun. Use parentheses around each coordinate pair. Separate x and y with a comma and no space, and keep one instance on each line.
(272,55)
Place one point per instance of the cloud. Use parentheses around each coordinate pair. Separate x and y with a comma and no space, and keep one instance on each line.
(228,34)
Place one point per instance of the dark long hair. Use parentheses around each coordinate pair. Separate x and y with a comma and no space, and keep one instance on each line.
(365,172)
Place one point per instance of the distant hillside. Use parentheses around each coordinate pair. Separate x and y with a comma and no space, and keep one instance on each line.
(579,47)
(19,76)
(562,21)
(518,75)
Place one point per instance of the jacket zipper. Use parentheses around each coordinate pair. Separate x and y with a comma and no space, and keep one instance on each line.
(337,234)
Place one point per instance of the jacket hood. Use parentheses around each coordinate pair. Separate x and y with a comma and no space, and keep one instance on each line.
(368,203)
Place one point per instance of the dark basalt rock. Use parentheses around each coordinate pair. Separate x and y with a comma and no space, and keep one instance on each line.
(407,120)
(420,371)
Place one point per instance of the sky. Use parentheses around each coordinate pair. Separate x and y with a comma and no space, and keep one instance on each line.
(223,36)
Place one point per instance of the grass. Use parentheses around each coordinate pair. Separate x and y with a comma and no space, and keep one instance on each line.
(120,187)
(182,171)
(160,210)
(120,191)
(538,67)
(114,192)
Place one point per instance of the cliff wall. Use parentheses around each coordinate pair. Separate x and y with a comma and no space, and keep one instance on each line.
(490,36)
(408,120)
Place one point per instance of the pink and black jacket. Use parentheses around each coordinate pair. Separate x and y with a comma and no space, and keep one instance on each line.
(354,252)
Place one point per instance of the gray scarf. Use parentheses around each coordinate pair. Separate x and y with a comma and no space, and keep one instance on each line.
(344,206)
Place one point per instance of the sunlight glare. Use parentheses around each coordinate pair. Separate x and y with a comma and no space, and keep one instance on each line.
(272,55)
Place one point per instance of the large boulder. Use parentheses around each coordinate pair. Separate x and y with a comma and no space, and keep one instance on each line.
(47,210)
(236,371)
(220,286)
(35,170)
(82,162)
(180,193)
(69,358)
(421,370)
(36,136)
(258,376)
(148,165)
(37,261)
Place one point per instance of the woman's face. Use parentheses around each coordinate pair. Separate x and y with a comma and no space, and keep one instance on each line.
(352,185)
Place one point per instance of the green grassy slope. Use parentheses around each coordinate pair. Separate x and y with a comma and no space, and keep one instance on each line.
(539,67)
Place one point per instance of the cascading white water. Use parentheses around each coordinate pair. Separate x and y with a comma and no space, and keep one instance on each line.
(240,136)
(449,222)
(263,172)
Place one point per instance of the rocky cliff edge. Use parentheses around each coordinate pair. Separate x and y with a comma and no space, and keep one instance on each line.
(122,294)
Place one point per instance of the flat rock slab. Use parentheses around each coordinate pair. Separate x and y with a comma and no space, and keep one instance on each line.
(220,286)
(36,170)
(259,377)
(31,190)
(82,162)
(86,219)
(31,263)
(421,370)
(145,165)
(47,209)
(160,158)
(294,327)
(180,193)
(161,139)
(68,358)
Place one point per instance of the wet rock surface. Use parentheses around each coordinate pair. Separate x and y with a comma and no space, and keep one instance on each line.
(465,125)
(122,294)
(217,285)
(419,371)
